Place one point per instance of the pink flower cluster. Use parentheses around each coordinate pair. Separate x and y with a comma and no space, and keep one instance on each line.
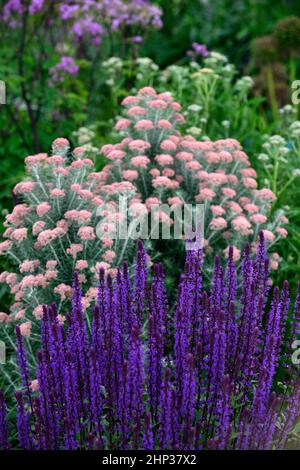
(52,233)
(163,164)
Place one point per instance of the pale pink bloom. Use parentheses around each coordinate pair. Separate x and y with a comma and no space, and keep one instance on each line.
(63,290)
(25,187)
(109,256)
(284,219)
(51,264)
(179,118)
(251,208)
(34,159)
(28,266)
(234,207)
(76,187)
(233,179)
(106,149)
(74,249)
(217,178)
(81,264)
(77,164)
(212,157)
(100,265)
(241,156)
(79,216)
(139,145)
(250,183)
(86,194)
(164,124)
(176,106)
(129,100)
(122,124)
(274,264)
(61,171)
(62,224)
(88,162)
(282,232)
(241,224)
(176,201)
(57,192)
(34,386)
(11,279)
(4,246)
(218,223)
(152,201)
(116,155)
(38,312)
(3,317)
(184,156)
(97,201)
(258,218)
(86,233)
(157,104)
(202,175)
(42,209)
(28,282)
(168,145)
(265,194)
(60,142)
(137,209)
(25,328)
(38,227)
(248,172)
(144,124)
(168,172)
(228,192)
(164,181)
(164,159)
(51,274)
(217,210)
(136,111)
(107,242)
(225,156)
(205,194)
(61,319)
(7,232)
(20,314)
(236,253)
(56,160)
(130,175)
(79,152)
(147,90)
(194,165)
(154,172)
(19,234)
(269,236)
(3,276)
(140,161)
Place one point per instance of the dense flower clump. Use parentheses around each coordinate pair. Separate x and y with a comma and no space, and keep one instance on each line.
(63,221)
(142,377)
(167,167)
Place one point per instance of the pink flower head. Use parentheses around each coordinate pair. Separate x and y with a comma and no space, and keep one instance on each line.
(144,124)
(29,266)
(228,192)
(139,145)
(268,235)
(109,256)
(140,161)
(34,386)
(147,90)
(130,175)
(122,124)
(194,165)
(164,124)
(116,155)
(175,201)
(63,290)
(38,312)
(157,104)
(184,156)
(258,218)
(164,181)
(282,232)
(250,182)
(218,223)
(217,210)
(4,246)
(3,317)
(136,111)
(57,192)
(154,172)
(25,187)
(74,249)
(42,209)
(38,227)
(168,145)
(81,264)
(205,194)
(25,329)
(60,145)
(265,194)
(164,159)
(251,208)
(241,224)
(19,234)
(130,100)
(212,157)
(86,233)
